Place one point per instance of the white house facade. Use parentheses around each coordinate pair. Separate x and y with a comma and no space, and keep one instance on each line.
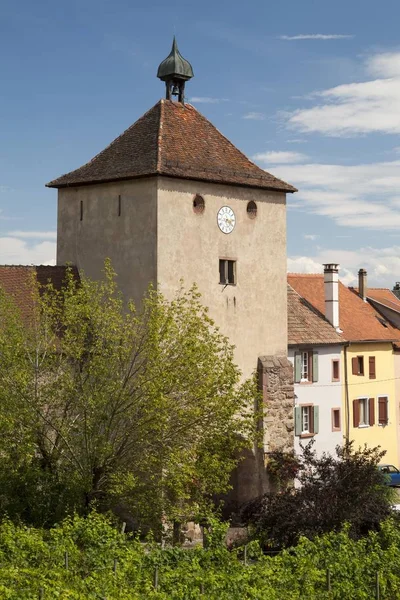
(315,351)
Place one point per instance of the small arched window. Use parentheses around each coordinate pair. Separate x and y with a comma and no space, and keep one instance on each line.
(252,209)
(198,204)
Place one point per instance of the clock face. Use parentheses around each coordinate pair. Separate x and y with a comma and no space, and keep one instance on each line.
(226,219)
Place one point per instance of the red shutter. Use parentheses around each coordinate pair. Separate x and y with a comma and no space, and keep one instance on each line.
(354,366)
(382,411)
(356,413)
(372,374)
(372,411)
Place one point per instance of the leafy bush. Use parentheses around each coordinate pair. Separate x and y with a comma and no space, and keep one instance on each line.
(333,490)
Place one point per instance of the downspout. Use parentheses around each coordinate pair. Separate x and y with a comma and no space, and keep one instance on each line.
(346,396)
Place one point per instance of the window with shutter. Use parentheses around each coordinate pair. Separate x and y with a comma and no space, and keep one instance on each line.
(363,412)
(305,366)
(306,420)
(383,415)
(357,365)
(372,373)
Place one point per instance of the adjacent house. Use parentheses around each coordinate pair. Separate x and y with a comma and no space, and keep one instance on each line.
(368,376)
(315,349)
(387,303)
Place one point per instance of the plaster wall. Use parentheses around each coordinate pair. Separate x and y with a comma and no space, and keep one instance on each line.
(323,393)
(396,356)
(128,239)
(252,313)
(361,386)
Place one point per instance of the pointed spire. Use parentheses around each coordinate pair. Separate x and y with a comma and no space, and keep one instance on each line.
(175,70)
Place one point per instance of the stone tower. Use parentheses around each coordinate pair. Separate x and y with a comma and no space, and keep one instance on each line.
(171,198)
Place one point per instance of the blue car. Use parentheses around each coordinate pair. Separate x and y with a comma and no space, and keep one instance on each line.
(393,474)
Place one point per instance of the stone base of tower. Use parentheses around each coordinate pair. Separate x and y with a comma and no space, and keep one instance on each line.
(250,479)
(275,376)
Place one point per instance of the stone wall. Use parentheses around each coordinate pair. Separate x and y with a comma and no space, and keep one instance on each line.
(276,383)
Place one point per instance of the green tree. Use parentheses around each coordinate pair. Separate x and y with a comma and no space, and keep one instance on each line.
(101,403)
(333,490)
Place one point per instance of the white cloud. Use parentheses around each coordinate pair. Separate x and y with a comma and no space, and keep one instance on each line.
(381,264)
(14,251)
(365,195)
(316,36)
(279,157)
(357,108)
(254,116)
(41,235)
(207,100)
(310,236)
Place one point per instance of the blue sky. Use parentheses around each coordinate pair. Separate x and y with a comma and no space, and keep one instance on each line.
(310,90)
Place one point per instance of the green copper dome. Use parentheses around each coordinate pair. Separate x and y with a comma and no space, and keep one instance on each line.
(175,66)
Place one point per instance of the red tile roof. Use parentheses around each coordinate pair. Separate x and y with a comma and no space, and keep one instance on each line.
(306,325)
(16,281)
(174,140)
(385,297)
(358,320)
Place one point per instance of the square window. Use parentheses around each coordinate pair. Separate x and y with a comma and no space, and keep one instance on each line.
(335,370)
(357,365)
(227,272)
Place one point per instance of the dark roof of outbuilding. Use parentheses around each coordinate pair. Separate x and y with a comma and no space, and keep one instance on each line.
(174,140)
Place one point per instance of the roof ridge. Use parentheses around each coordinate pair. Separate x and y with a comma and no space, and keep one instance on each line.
(159,137)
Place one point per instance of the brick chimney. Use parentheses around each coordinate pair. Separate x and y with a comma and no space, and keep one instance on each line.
(331,286)
(362,284)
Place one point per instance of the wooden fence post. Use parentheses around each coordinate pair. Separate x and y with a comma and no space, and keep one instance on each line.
(328,580)
(378,594)
(66,559)
(156,578)
(245,555)
(115,566)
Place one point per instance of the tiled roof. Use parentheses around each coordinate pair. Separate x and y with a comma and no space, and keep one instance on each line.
(358,320)
(16,281)
(385,297)
(306,325)
(174,140)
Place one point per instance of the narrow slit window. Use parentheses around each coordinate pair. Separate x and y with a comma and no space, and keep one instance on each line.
(335,370)
(81,210)
(336,419)
(227,272)
(119,206)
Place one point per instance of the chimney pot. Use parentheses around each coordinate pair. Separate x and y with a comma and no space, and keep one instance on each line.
(362,284)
